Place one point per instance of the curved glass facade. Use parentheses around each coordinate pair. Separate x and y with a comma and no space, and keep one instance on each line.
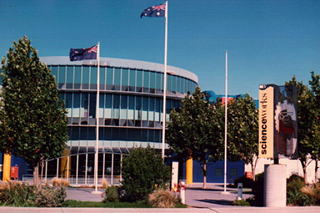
(130,102)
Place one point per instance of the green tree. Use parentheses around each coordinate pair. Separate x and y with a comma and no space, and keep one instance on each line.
(307,115)
(243,131)
(143,171)
(315,91)
(196,130)
(34,123)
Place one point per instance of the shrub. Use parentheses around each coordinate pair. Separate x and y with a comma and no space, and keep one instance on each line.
(257,190)
(241,203)
(16,194)
(247,182)
(143,171)
(21,194)
(313,192)
(294,194)
(104,183)
(46,196)
(163,199)
(111,194)
(59,182)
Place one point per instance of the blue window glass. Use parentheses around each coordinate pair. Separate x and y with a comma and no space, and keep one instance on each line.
(109,78)
(85,77)
(76,105)
(124,102)
(117,78)
(69,77)
(116,101)
(108,103)
(125,79)
(139,81)
(77,77)
(92,106)
(132,80)
(169,83)
(152,82)
(131,102)
(158,82)
(146,81)
(62,77)
(102,77)
(93,78)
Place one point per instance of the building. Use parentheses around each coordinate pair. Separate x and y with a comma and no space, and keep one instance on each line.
(130,111)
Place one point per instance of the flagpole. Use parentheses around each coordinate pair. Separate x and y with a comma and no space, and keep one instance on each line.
(225,126)
(165,81)
(97,123)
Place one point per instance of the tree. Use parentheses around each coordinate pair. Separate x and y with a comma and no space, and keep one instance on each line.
(196,130)
(243,131)
(308,130)
(315,91)
(143,171)
(34,125)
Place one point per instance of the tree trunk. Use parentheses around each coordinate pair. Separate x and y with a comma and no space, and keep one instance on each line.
(305,174)
(204,172)
(36,175)
(315,171)
(253,168)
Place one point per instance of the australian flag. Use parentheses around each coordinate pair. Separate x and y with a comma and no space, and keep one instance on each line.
(154,11)
(83,53)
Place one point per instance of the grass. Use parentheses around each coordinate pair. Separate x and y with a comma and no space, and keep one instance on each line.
(88,204)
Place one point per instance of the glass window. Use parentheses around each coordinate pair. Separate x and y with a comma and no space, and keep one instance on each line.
(139,81)
(109,78)
(116,101)
(152,82)
(85,77)
(146,81)
(84,105)
(62,77)
(158,82)
(132,80)
(125,79)
(93,78)
(76,105)
(77,77)
(69,77)
(102,77)
(92,107)
(117,78)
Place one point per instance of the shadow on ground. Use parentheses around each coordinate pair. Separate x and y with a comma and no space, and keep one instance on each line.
(219,202)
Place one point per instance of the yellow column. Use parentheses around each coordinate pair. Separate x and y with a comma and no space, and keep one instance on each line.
(189,171)
(6,167)
(64,167)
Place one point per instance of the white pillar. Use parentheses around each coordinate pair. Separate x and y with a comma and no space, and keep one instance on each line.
(275,185)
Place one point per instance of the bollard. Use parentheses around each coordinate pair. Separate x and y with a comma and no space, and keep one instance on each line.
(240,191)
(182,187)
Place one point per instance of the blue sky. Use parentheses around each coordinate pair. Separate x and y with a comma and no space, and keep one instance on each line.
(268,41)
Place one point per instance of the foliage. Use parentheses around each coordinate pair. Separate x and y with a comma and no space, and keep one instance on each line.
(17,194)
(241,203)
(257,190)
(163,199)
(59,182)
(313,192)
(21,194)
(294,194)
(111,194)
(243,130)
(308,119)
(46,196)
(34,123)
(247,182)
(196,130)
(143,171)
(86,204)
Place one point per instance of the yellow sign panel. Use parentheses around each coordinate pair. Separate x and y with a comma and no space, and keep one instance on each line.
(266,122)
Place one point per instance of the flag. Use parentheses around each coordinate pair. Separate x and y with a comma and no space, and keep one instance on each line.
(83,53)
(154,11)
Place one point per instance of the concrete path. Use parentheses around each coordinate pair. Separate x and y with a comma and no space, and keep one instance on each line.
(83,194)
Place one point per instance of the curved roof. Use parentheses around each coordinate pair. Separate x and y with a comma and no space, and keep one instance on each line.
(125,63)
